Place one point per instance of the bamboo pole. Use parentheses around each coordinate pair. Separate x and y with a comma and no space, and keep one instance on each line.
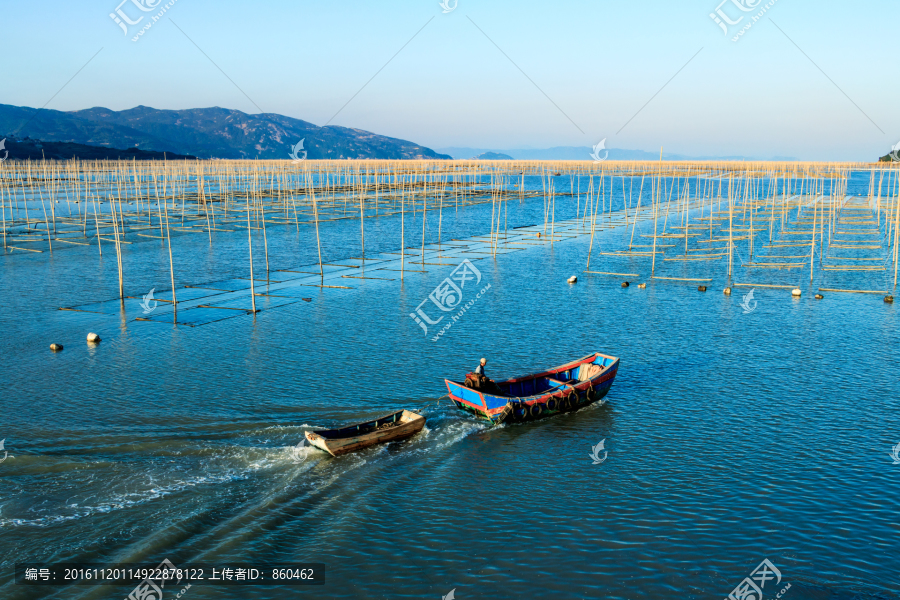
(656,213)
(250,246)
(172,265)
(402,231)
(812,249)
(896,231)
(730,227)
(593,220)
(112,207)
(637,212)
(318,239)
(424,212)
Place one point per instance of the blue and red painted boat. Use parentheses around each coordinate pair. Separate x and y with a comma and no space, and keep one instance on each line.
(564,388)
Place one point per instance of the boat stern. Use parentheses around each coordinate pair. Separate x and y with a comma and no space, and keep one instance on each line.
(481,404)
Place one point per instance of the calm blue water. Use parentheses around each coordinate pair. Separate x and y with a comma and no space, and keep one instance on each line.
(731,437)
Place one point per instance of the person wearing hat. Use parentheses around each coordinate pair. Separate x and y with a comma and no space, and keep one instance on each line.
(479,370)
(485,382)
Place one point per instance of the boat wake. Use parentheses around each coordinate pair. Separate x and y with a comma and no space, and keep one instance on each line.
(119,501)
(121,481)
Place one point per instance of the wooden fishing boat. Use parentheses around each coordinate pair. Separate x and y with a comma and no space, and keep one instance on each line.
(564,388)
(397,426)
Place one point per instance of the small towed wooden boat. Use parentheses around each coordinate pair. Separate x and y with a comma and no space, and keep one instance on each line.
(564,388)
(397,426)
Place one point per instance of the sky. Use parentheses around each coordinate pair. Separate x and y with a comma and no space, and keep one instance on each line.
(814,81)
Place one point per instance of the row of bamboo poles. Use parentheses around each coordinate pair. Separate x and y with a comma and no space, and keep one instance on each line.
(105,200)
(759,199)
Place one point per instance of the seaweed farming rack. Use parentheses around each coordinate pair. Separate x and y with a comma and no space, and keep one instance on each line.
(793,218)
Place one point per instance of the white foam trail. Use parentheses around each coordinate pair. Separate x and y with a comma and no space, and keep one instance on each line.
(121,501)
(301,454)
(243,460)
(450,434)
(240,463)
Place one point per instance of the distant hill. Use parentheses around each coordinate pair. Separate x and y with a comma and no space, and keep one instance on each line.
(492,156)
(205,133)
(559,153)
(37,150)
(584,153)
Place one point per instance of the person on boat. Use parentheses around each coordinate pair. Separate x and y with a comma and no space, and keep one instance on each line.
(479,370)
(483,382)
(477,379)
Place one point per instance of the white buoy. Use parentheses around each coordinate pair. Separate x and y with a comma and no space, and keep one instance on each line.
(93,338)
(727,291)
(572,279)
(642,285)
(56,347)
(796,293)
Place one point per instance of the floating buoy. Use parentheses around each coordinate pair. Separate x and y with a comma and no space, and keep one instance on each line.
(889,299)
(625,284)
(796,292)
(572,279)
(819,296)
(93,338)
(56,347)
(539,234)
(701,288)
(727,291)
(642,285)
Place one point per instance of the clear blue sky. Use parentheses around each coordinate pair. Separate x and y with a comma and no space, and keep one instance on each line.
(598,61)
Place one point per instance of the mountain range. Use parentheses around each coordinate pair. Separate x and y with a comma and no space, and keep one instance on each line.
(205,133)
(226,133)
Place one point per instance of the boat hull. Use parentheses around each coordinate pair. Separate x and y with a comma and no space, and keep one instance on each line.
(342,441)
(525,400)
